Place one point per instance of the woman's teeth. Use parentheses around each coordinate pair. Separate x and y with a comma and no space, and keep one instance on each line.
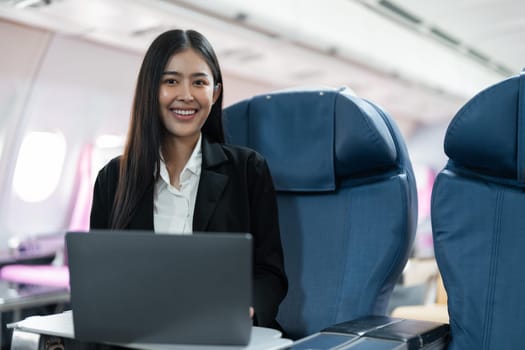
(184,111)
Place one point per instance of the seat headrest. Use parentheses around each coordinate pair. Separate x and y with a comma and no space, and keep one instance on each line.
(487,135)
(311,138)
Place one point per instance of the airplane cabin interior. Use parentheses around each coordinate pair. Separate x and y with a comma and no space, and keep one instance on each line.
(392,130)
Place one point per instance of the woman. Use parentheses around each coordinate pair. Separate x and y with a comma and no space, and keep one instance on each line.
(176,175)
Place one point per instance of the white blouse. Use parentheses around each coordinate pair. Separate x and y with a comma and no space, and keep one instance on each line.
(173,208)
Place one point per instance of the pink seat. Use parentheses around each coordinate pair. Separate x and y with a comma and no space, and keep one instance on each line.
(45,275)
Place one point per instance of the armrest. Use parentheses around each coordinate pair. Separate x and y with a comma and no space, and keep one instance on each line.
(379,333)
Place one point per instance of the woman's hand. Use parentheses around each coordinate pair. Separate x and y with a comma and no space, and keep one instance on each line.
(251,312)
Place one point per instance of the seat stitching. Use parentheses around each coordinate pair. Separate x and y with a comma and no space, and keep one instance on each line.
(489,309)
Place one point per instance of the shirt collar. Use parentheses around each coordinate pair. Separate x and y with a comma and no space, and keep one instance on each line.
(195,162)
(192,167)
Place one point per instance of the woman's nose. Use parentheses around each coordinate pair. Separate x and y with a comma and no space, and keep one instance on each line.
(184,92)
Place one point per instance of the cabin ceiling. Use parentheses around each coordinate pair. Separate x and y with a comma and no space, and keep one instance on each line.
(420,60)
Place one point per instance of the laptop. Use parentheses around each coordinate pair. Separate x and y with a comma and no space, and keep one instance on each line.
(141,287)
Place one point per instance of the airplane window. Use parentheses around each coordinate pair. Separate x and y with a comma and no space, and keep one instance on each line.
(39,165)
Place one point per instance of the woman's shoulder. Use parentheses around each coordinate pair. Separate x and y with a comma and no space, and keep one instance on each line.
(242,153)
(113,163)
(111,169)
(248,160)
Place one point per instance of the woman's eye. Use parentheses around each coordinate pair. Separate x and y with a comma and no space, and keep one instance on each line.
(170,81)
(199,82)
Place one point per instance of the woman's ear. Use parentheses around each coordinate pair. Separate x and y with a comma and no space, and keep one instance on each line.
(216,91)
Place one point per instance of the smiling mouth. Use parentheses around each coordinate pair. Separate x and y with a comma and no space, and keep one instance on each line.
(183,113)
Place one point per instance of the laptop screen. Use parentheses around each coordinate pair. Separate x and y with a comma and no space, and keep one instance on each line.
(133,286)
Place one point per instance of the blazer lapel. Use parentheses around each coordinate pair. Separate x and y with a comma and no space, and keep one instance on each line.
(211,184)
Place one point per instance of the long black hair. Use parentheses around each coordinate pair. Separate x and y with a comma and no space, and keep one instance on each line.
(141,157)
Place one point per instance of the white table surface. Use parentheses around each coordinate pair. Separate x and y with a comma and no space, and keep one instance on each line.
(61,325)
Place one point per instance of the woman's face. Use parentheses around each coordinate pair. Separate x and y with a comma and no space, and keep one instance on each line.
(186,95)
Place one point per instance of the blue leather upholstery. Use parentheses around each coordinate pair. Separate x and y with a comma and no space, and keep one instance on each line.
(478,219)
(346,195)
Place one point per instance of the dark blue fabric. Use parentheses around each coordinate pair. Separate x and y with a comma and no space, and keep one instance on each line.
(347,138)
(521,129)
(483,134)
(478,221)
(363,142)
(346,195)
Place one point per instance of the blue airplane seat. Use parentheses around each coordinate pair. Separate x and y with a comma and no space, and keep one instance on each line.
(478,219)
(346,195)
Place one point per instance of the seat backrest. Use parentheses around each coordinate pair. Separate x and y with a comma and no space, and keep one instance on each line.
(478,219)
(346,196)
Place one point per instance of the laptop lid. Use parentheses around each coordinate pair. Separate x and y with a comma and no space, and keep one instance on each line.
(140,287)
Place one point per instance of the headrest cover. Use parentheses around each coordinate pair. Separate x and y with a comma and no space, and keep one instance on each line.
(487,135)
(312,137)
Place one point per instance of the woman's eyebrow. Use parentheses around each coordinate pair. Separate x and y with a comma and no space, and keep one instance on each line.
(197,74)
(171,72)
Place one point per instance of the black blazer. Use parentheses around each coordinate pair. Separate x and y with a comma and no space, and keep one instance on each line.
(235,194)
